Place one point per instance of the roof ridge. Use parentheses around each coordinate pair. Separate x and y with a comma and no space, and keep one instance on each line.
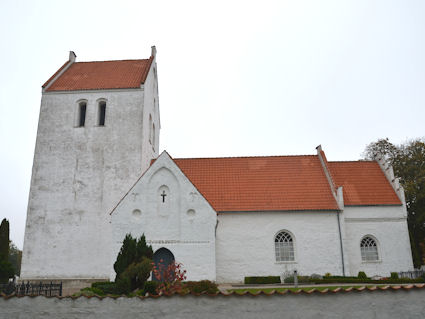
(358,161)
(123,60)
(234,157)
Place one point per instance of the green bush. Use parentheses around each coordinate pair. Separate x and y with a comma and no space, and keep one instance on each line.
(91,291)
(150,287)
(203,286)
(108,288)
(132,251)
(362,275)
(262,280)
(394,275)
(122,286)
(133,264)
(138,273)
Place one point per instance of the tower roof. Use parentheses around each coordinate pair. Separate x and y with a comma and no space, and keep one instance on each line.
(99,75)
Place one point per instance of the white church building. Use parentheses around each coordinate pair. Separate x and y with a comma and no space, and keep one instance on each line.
(98,175)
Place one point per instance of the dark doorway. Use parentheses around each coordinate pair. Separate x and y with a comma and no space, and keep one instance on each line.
(162,258)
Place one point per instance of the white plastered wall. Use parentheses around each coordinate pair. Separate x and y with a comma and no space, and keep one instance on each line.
(388,225)
(245,244)
(184,223)
(151,107)
(79,174)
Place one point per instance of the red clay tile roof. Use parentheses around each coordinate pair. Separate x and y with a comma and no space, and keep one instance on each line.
(102,75)
(363,183)
(261,183)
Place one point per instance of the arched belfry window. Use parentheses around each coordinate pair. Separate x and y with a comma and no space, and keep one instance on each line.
(284,246)
(150,129)
(369,249)
(81,113)
(153,135)
(101,113)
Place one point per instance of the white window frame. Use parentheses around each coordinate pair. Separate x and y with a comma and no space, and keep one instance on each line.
(364,251)
(292,254)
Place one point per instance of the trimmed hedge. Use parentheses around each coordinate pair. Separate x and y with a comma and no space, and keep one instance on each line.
(301,279)
(366,281)
(262,280)
(203,286)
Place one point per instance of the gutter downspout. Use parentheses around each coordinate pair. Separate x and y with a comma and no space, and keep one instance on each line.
(340,242)
(340,200)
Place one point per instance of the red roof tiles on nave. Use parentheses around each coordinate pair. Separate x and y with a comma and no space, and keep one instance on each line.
(261,183)
(364,183)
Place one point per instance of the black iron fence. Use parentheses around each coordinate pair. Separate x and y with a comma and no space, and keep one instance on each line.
(31,288)
(413,274)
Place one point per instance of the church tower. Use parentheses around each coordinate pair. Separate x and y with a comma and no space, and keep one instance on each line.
(97,133)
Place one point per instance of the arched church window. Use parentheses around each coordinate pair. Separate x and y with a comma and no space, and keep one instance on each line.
(81,114)
(369,249)
(284,247)
(101,113)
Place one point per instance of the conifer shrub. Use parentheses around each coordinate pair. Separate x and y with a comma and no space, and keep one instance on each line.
(4,239)
(6,271)
(133,264)
(394,275)
(362,275)
(6,268)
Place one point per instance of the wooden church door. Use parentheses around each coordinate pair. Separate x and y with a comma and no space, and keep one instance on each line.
(162,258)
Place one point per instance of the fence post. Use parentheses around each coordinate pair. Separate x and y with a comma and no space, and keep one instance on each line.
(60,289)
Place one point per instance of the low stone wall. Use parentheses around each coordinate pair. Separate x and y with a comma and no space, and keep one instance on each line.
(402,303)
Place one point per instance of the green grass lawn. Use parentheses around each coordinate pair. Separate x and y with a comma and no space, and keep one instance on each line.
(320,288)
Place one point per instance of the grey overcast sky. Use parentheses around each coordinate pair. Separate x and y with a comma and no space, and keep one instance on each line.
(235,77)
